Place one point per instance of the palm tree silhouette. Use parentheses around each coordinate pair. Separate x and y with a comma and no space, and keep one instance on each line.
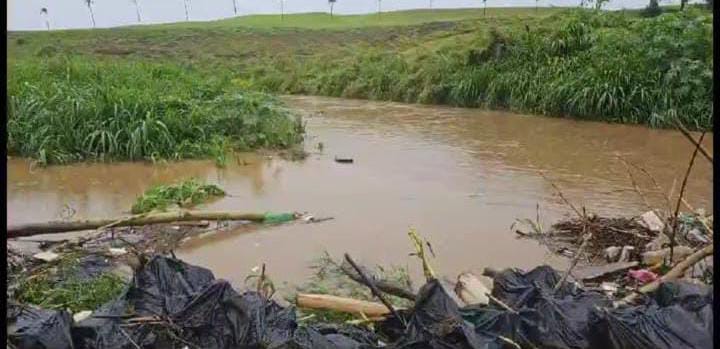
(137,10)
(89,3)
(44,15)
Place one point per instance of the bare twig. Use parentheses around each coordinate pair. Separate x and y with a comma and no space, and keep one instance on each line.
(557,189)
(697,144)
(635,185)
(682,192)
(374,289)
(586,238)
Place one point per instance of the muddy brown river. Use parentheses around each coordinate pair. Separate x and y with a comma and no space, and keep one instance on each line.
(459,176)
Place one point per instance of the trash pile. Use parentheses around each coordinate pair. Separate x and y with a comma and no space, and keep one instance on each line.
(171,304)
(630,252)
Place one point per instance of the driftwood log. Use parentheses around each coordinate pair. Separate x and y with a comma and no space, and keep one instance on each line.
(341,304)
(142,219)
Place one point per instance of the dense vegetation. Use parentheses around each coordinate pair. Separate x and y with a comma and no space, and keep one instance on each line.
(66,109)
(604,66)
(609,66)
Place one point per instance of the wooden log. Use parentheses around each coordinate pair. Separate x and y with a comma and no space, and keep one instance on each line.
(142,219)
(341,304)
(471,290)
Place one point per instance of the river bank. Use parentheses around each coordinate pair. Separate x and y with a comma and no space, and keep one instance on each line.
(609,66)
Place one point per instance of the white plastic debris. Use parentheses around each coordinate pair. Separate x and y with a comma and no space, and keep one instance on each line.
(651,221)
(80,316)
(609,288)
(625,253)
(46,256)
(117,251)
(611,253)
(697,236)
(308,218)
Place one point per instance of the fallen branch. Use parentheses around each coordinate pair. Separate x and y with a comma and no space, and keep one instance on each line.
(676,272)
(341,304)
(373,289)
(382,285)
(692,140)
(143,219)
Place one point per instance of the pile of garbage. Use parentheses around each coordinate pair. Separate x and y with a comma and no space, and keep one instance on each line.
(171,304)
(630,252)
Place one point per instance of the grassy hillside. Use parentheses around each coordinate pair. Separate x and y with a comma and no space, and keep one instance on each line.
(617,67)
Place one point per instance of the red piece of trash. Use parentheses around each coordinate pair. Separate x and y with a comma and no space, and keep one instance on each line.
(643,275)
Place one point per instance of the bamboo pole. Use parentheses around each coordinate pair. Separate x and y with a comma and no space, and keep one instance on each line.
(142,219)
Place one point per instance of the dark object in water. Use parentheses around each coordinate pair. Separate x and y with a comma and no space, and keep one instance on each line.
(344,160)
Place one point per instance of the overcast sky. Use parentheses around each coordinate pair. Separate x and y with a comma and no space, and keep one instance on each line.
(64,14)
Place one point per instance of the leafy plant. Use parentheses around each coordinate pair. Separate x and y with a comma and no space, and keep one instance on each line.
(184,194)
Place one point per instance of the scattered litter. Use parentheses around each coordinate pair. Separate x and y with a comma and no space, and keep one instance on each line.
(625,253)
(643,276)
(344,160)
(117,251)
(612,253)
(610,288)
(696,236)
(80,316)
(46,256)
(594,272)
(651,221)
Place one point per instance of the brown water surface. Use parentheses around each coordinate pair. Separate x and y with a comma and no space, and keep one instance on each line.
(460,176)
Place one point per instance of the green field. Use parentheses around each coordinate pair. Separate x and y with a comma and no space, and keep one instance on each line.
(610,66)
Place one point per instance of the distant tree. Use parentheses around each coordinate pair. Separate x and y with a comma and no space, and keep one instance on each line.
(431,4)
(682,4)
(44,16)
(137,9)
(536,5)
(379,2)
(599,4)
(484,7)
(653,9)
(234,7)
(187,14)
(89,4)
(282,10)
(332,4)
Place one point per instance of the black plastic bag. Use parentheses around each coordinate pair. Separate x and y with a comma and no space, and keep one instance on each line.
(678,315)
(436,322)
(41,329)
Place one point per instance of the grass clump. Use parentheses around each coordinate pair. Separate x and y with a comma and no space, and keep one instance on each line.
(184,194)
(64,287)
(67,109)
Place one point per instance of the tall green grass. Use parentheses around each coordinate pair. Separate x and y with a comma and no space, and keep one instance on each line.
(66,109)
(607,66)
